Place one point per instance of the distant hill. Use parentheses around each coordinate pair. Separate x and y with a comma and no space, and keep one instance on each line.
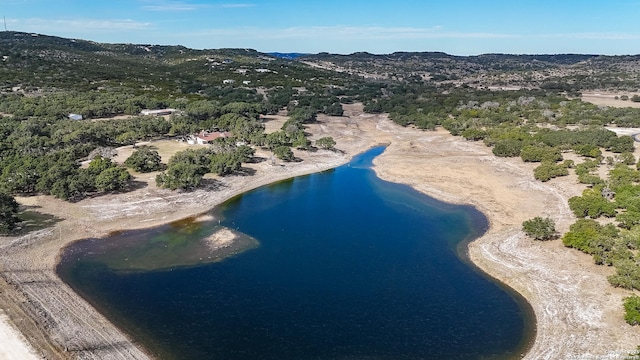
(42,61)
(35,61)
(565,72)
(288,56)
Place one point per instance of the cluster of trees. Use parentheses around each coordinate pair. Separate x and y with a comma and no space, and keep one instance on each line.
(616,243)
(320,102)
(42,155)
(186,168)
(64,178)
(92,104)
(8,213)
(46,62)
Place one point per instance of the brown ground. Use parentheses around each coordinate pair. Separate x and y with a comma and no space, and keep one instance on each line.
(579,316)
(609,99)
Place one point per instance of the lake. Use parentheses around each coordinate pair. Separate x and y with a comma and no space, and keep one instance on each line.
(334,265)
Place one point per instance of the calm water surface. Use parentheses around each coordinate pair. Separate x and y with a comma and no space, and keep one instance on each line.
(348,267)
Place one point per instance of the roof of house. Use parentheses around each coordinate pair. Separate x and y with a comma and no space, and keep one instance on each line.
(210,136)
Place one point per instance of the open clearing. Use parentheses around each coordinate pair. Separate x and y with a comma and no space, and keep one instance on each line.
(604,99)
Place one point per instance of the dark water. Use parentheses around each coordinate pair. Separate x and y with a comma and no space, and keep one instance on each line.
(348,267)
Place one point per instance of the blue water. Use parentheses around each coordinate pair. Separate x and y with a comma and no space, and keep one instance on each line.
(348,267)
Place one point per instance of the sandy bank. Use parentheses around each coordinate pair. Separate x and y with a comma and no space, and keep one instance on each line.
(579,315)
(13,345)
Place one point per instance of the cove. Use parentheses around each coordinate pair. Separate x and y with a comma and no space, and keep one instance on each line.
(334,265)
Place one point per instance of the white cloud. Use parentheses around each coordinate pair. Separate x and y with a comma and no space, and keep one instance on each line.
(593,36)
(165,5)
(70,26)
(348,33)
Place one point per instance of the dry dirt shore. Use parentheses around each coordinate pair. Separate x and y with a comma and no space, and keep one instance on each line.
(579,316)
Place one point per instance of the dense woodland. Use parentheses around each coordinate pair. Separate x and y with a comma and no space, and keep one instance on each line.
(540,119)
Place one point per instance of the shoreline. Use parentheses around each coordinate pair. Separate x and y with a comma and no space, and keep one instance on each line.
(579,315)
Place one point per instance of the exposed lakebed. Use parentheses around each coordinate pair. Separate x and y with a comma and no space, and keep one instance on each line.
(335,265)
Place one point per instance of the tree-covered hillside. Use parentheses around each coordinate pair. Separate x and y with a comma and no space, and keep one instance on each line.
(33,61)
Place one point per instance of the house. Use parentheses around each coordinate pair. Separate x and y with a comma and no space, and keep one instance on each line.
(206,137)
(159,112)
(228,81)
(75,116)
(246,82)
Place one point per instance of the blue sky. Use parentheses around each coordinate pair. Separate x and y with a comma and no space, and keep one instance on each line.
(460,27)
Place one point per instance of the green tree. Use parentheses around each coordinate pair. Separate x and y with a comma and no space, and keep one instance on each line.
(127,138)
(591,204)
(534,153)
(326,143)
(224,163)
(540,228)
(548,170)
(508,148)
(628,219)
(632,309)
(586,235)
(8,211)
(113,179)
(301,142)
(99,164)
(245,153)
(621,144)
(622,175)
(277,139)
(627,274)
(626,158)
(284,153)
(474,134)
(180,175)
(185,169)
(587,150)
(144,160)
(334,109)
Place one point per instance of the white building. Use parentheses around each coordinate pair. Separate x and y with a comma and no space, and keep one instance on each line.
(206,137)
(158,112)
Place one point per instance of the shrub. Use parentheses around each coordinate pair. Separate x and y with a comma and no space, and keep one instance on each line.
(540,228)
(591,204)
(507,148)
(533,153)
(547,171)
(284,153)
(632,310)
